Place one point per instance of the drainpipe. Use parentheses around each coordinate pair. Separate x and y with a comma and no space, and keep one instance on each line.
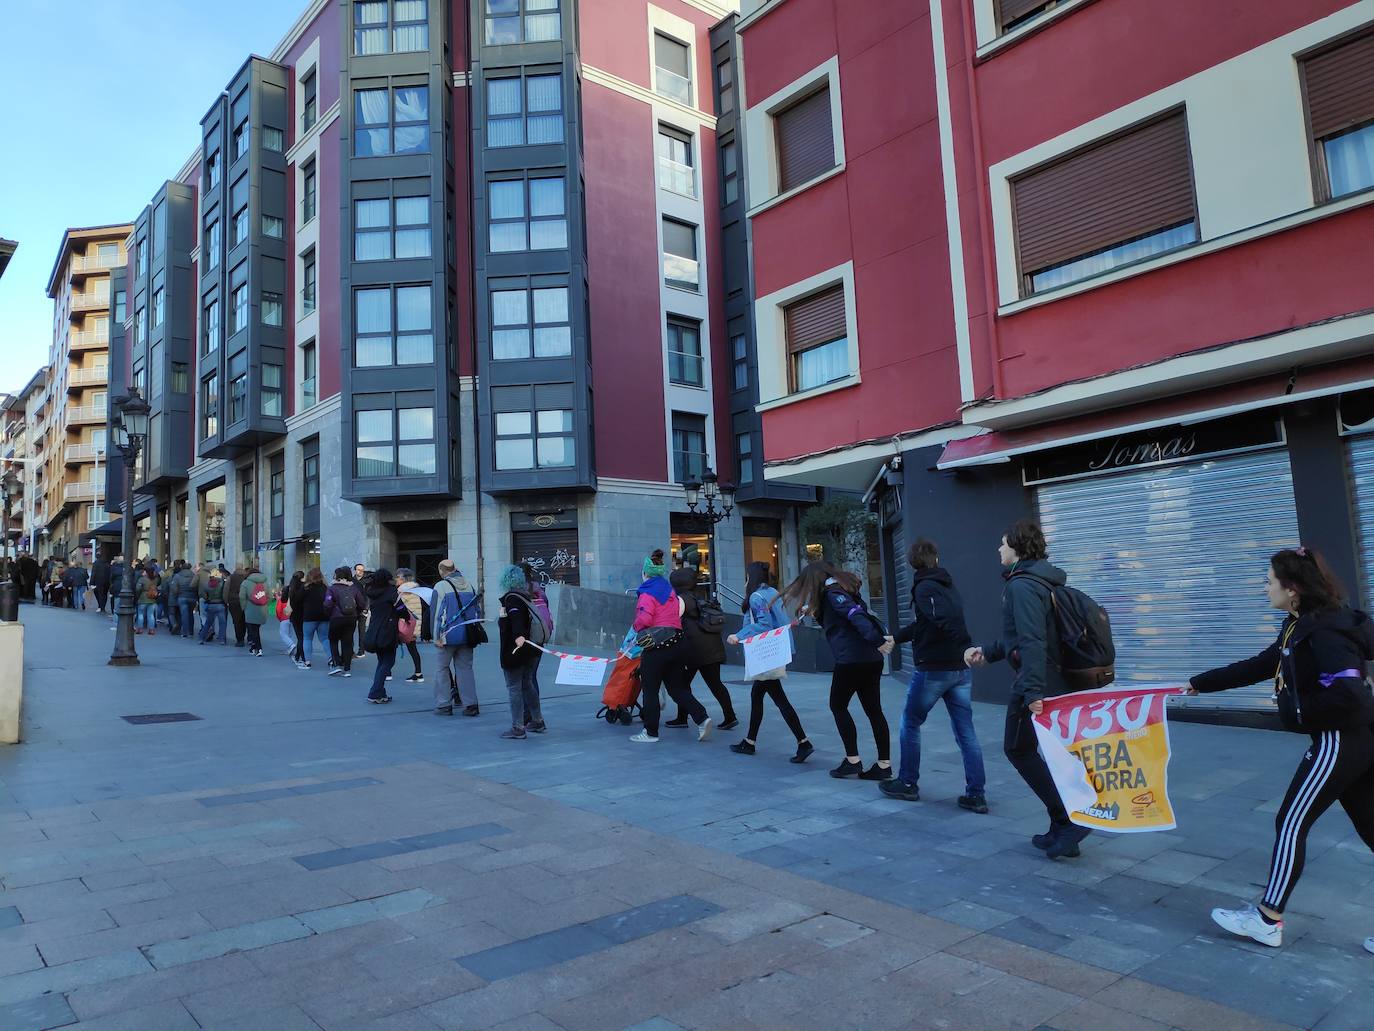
(472,318)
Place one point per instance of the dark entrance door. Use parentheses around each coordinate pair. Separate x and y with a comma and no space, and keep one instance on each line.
(421,546)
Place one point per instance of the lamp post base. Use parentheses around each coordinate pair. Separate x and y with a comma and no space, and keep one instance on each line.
(123,660)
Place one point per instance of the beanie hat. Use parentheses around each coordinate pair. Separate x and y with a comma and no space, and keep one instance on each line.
(652,568)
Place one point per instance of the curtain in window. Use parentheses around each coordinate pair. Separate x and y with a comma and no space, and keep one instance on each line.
(412,211)
(546,197)
(541,27)
(507,236)
(549,235)
(509,344)
(551,305)
(1350,161)
(412,106)
(371,214)
(373,311)
(543,93)
(504,125)
(369,41)
(412,243)
(508,308)
(412,308)
(408,38)
(369,108)
(507,199)
(415,424)
(372,246)
(823,364)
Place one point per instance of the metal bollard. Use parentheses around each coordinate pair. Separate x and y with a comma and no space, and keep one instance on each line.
(9,602)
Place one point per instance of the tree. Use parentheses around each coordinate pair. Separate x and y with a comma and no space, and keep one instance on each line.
(839,526)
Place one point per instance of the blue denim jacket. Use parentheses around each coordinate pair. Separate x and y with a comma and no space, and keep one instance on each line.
(766,612)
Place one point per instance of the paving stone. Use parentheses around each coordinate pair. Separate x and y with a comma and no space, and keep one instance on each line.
(1178,1010)
(69,976)
(9,917)
(211,944)
(37,1014)
(159,1016)
(349,914)
(98,943)
(15,959)
(278,1018)
(1034,965)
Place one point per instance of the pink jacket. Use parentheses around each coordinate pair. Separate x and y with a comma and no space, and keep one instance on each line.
(657,606)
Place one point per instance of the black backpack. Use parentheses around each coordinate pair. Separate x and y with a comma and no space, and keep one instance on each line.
(710,617)
(345,601)
(1087,656)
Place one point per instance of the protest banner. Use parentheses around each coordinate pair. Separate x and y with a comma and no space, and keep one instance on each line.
(767,651)
(1108,751)
(579,670)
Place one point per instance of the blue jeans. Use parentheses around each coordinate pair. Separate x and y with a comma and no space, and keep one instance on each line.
(309,632)
(145,616)
(187,607)
(213,616)
(927,688)
(79,597)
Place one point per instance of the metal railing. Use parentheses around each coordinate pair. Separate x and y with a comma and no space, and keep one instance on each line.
(87,377)
(675,176)
(87,338)
(729,593)
(87,302)
(86,413)
(81,491)
(673,86)
(96,263)
(84,452)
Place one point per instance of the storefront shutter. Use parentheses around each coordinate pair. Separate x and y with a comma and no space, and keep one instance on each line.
(1129,186)
(1340,86)
(806,144)
(1177,556)
(1362,477)
(553,553)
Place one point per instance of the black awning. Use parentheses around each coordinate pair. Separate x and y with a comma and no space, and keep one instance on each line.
(114,528)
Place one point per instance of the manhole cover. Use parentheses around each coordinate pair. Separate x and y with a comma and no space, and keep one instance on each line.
(161,717)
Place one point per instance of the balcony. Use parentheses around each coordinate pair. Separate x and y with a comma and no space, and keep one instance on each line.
(85,264)
(90,302)
(88,340)
(672,85)
(83,414)
(84,453)
(96,377)
(84,491)
(677,177)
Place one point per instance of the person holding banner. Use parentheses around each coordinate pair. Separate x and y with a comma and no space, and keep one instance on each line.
(765,611)
(1027,632)
(1318,665)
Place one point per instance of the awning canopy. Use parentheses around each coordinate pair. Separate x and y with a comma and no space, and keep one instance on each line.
(114,528)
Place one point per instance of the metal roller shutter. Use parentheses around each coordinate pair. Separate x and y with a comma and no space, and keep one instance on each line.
(1362,478)
(1176,555)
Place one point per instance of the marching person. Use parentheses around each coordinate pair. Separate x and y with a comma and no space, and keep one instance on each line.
(455,600)
(295,600)
(342,603)
(1028,636)
(859,645)
(360,579)
(80,582)
(663,663)
(210,586)
(236,614)
(705,650)
(938,639)
(405,586)
(765,612)
(385,610)
(539,598)
(100,581)
(184,598)
(145,615)
(314,619)
(519,656)
(1318,665)
(285,631)
(255,602)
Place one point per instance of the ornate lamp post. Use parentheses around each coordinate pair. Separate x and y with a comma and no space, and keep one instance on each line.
(702,499)
(129,434)
(9,487)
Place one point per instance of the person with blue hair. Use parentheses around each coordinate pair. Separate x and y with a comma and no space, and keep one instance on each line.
(519,656)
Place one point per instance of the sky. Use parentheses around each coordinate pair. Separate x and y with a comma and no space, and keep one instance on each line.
(100,103)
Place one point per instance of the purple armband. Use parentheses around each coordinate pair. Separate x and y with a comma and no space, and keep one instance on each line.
(1327,679)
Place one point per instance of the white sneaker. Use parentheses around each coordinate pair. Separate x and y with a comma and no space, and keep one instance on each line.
(642,738)
(704,729)
(1248,923)
(1369,945)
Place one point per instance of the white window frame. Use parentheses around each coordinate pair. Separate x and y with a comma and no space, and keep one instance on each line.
(771,338)
(761,140)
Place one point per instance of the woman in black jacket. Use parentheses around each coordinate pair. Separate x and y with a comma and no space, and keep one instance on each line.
(519,658)
(384,609)
(1318,666)
(295,599)
(706,648)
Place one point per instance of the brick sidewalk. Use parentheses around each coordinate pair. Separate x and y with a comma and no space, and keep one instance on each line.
(297,858)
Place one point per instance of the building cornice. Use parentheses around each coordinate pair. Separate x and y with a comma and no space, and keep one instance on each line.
(762,11)
(329,406)
(630,89)
(654,488)
(717,11)
(297,30)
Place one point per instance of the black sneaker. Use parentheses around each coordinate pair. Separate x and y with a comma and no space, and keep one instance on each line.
(804,750)
(536,726)
(415,678)
(676,724)
(1044,841)
(471,710)
(444,710)
(847,769)
(1065,844)
(973,803)
(876,772)
(895,788)
(742,748)
(729,724)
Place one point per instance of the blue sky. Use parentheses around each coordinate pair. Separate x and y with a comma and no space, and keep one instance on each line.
(100,102)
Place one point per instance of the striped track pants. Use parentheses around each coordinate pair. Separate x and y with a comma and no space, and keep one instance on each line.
(1338,767)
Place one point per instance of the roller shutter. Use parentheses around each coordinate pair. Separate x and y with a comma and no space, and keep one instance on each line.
(1362,477)
(1176,555)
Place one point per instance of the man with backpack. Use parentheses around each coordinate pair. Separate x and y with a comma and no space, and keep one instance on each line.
(210,588)
(1031,642)
(255,602)
(456,612)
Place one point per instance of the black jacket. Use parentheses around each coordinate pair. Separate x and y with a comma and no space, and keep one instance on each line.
(1029,641)
(515,623)
(312,604)
(705,648)
(1310,655)
(937,633)
(851,632)
(231,596)
(384,608)
(100,574)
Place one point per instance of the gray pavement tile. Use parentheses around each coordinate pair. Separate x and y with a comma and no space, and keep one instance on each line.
(655,1024)
(416,988)
(348,914)
(541,950)
(278,1018)
(532,1022)
(652,917)
(69,976)
(211,944)
(37,1014)
(159,1016)
(1093,1016)
(1179,1010)
(57,927)
(1034,965)
(99,943)
(397,846)
(9,917)
(15,959)
(1109,955)
(972,915)
(331,947)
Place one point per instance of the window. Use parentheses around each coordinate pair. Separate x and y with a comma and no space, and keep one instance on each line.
(276,492)
(239,197)
(806,146)
(309,388)
(528,110)
(1132,199)
(394,121)
(212,169)
(310,469)
(390,26)
(159,230)
(246,509)
(527,215)
(121,300)
(308,283)
(271,390)
(308,195)
(395,444)
(1012,14)
(239,315)
(725,87)
(672,69)
(505,24)
(739,359)
(539,439)
(689,447)
(273,226)
(384,228)
(680,267)
(273,139)
(181,382)
(213,245)
(310,101)
(817,340)
(684,351)
(212,327)
(140,326)
(238,387)
(514,313)
(209,406)
(271,308)
(239,145)
(744,456)
(155,364)
(675,168)
(1340,113)
(393,326)
(159,304)
(141,258)
(729,172)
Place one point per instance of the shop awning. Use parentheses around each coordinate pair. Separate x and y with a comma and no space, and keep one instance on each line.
(114,528)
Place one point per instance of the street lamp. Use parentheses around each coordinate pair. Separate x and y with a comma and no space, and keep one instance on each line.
(9,590)
(129,434)
(702,498)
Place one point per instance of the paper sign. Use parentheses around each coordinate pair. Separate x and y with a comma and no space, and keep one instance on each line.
(1108,752)
(767,651)
(580,670)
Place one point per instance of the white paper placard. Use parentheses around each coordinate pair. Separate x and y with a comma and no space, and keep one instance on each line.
(581,671)
(768,651)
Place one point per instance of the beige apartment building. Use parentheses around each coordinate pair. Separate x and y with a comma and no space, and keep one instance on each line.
(69,434)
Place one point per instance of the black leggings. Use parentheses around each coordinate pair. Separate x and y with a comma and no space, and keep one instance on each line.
(1022,750)
(865,680)
(773,689)
(254,632)
(341,641)
(710,674)
(1338,767)
(414,656)
(666,667)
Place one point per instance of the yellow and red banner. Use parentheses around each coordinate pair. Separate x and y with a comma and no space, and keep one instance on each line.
(1108,751)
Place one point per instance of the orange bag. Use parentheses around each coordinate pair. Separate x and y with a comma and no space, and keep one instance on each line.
(622,687)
